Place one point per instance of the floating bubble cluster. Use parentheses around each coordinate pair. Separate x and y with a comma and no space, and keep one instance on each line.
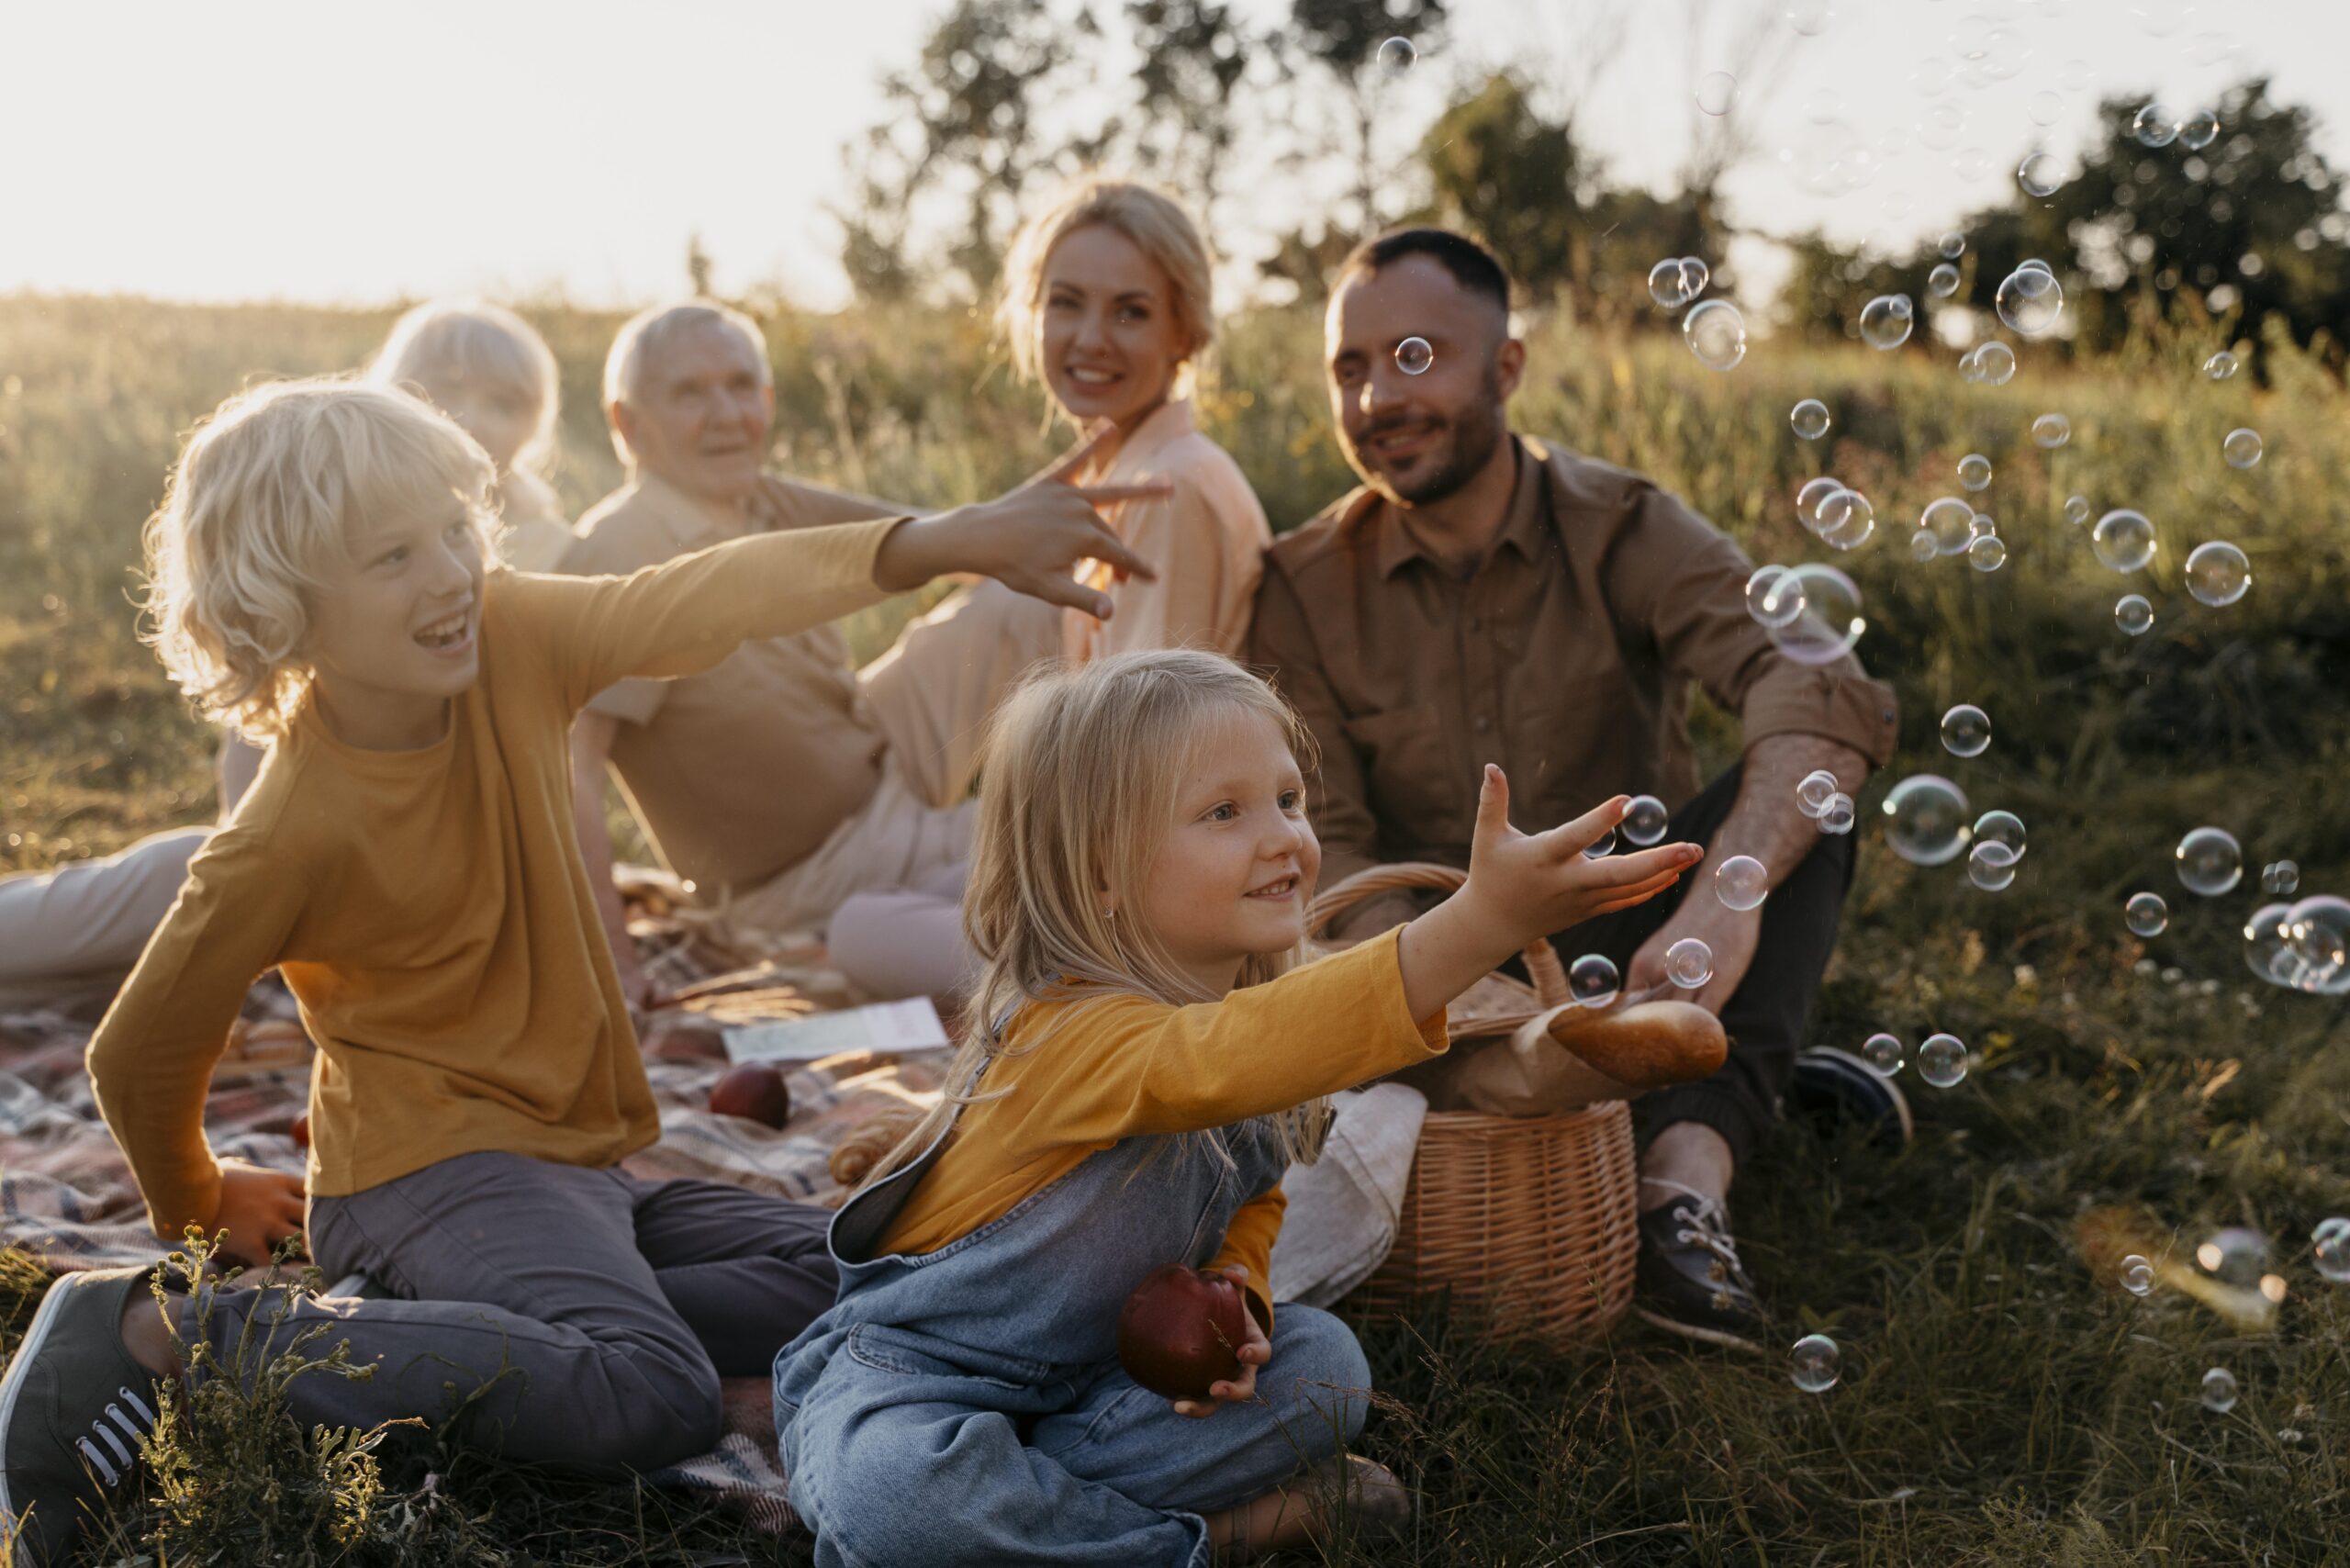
(1677,280)
(1992,364)
(2002,828)
(2280,878)
(1591,980)
(1814,791)
(1771,598)
(1830,623)
(1815,1363)
(1951,521)
(1966,731)
(1885,320)
(2029,301)
(1846,519)
(2210,863)
(1926,820)
(1838,815)
(2154,126)
(1991,866)
(1644,820)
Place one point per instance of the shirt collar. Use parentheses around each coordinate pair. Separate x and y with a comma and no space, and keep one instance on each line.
(678,513)
(1525,527)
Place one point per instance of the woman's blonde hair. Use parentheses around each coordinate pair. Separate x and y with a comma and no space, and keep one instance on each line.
(1079,793)
(259,506)
(464,339)
(1158,227)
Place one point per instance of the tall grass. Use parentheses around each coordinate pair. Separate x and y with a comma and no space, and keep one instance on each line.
(2002,1402)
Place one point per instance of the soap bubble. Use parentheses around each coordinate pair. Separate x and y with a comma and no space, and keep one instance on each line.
(1943,282)
(1846,521)
(1689,963)
(1922,547)
(2137,1274)
(1831,622)
(1413,356)
(2039,174)
(2051,430)
(1677,280)
(1991,866)
(1715,333)
(2219,1391)
(2123,540)
(1809,419)
(1885,320)
(1812,496)
(2235,1254)
(2002,828)
(2265,951)
(1644,820)
(2199,130)
(1981,526)
(1951,245)
(1884,1054)
(2076,510)
(2145,914)
(1926,820)
(1830,159)
(1941,1060)
(1966,731)
(2046,108)
(2210,863)
(1974,472)
(2221,365)
(1987,552)
(1716,91)
(2317,933)
(1994,364)
(1813,792)
(1941,126)
(2154,126)
(1397,55)
(2242,448)
(2280,877)
(1837,817)
(1741,883)
(2331,1244)
(2077,75)
(1591,980)
(1951,522)
(1810,17)
(1600,847)
(2133,614)
(2217,572)
(1771,600)
(2029,301)
(1815,1363)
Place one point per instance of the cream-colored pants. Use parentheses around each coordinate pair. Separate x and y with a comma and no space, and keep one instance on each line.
(886,885)
(83,926)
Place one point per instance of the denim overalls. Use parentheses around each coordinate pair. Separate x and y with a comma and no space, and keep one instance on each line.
(967,1405)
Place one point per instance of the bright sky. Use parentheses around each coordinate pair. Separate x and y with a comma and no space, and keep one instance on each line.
(343,153)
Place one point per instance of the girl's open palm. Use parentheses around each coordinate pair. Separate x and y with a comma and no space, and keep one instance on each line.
(1542,882)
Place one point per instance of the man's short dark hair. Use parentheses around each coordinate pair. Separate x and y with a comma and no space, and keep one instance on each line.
(1472,265)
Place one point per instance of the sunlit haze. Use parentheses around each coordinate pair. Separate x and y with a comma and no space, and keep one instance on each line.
(361,154)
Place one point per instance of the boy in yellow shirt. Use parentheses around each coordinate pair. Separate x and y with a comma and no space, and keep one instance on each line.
(407,861)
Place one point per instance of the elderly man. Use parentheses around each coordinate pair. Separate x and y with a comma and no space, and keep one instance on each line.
(783,781)
(1489,599)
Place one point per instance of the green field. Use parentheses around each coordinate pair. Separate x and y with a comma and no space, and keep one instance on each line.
(2002,1400)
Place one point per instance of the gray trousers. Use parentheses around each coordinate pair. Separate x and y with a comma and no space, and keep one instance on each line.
(83,926)
(610,1305)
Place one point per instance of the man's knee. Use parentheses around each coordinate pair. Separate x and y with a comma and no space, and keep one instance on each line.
(677,1411)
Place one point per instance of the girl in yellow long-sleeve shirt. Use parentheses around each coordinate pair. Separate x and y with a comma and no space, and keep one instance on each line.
(405,859)
(1144,1055)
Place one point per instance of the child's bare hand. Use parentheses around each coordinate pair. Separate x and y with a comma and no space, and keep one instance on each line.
(1533,884)
(259,1209)
(1028,540)
(1254,1352)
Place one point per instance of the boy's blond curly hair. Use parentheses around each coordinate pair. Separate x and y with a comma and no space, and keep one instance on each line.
(258,511)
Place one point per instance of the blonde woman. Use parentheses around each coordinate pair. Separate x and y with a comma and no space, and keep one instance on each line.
(1144,1053)
(1107,303)
(488,370)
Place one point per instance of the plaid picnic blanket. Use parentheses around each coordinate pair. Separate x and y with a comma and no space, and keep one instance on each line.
(67,1195)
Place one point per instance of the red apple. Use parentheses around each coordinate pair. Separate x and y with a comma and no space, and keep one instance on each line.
(301,1130)
(1182,1330)
(755,1091)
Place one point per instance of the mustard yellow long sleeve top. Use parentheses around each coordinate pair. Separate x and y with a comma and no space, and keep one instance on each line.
(1125,1066)
(429,909)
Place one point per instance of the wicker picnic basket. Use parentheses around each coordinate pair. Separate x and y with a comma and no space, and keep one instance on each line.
(1529,1221)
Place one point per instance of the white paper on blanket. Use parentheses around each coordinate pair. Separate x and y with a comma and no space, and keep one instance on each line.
(881,1028)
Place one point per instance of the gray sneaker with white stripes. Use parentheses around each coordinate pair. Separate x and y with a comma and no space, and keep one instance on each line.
(74,1406)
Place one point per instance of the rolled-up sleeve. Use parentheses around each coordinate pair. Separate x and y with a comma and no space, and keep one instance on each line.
(1684,580)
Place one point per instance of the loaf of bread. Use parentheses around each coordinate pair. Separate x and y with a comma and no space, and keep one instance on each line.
(1646,1046)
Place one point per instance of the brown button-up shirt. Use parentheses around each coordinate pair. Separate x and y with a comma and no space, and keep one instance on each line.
(1565,656)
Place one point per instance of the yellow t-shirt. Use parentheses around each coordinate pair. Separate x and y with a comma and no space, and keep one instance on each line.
(429,909)
(1125,1066)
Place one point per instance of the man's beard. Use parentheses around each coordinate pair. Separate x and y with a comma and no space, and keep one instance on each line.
(1476,431)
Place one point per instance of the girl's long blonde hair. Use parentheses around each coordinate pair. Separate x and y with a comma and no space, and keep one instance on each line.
(1078,793)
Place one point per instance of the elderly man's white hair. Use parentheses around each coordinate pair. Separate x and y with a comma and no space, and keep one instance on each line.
(644,335)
